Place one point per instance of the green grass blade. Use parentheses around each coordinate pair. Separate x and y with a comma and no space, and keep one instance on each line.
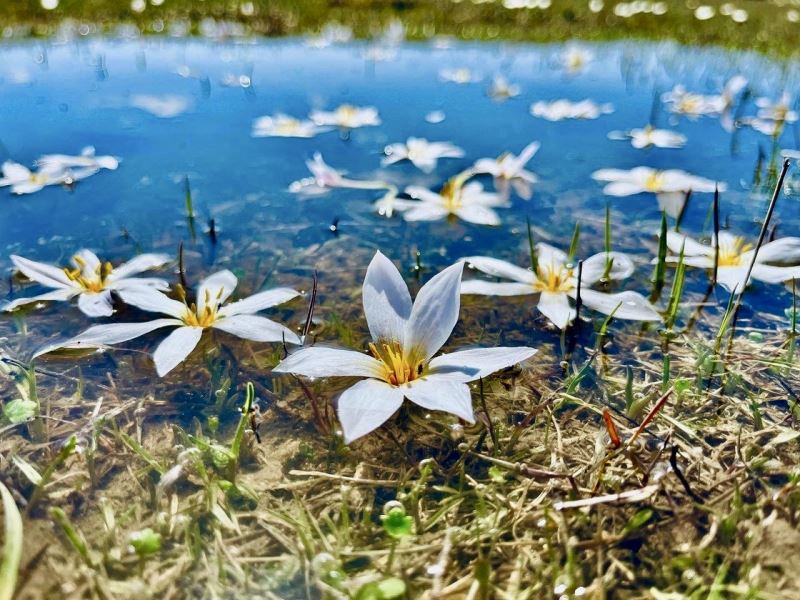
(12,547)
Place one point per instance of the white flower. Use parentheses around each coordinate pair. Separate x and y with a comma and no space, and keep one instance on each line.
(575,59)
(90,280)
(280,125)
(421,152)
(509,169)
(461,75)
(566,109)
(87,162)
(501,89)
(467,202)
(405,338)
(735,256)
(24,181)
(688,103)
(648,136)
(164,107)
(669,186)
(347,116)
(209,312)
(772,116)
(435,116)
(556,281)
(324,177)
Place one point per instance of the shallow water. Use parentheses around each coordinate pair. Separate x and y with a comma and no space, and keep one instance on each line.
(60,98)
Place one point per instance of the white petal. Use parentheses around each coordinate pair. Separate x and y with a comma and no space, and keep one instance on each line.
(491,288)
(611,175)
(671,203)
(550,255)
(556,308)
(100,336)
(500,268)
(434,393)
(258,329)
(96,305)
(215,288)
(623,188)
(143,262)
(319,361)
(161,285)
(58,295)
(424,194)
(486,165)
(425,212)
(435,312)
(387,302)
(87,261)
(480,215)
(732,278)
(676,241)
(146,298)
(175,348)
(42,273)
(27,187)
(527,153)
(15,172)
(784,250)
(594,267)
(632,305)
(366,406)
(773,274)
(260,301)
(469,365)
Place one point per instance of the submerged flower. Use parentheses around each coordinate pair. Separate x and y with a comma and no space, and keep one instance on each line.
(566,109)
(556,281)
(347,116)
(24,181)
(510,169)
(461,75)
(575,59)
(772,116)
(670,186)
(649,136)
(91,280)
(735,256)
(421,152)
(209,312)
(401,363)
(280,125)
(687,103)
(501,89)
(467,202)
(164,107)
(87,160)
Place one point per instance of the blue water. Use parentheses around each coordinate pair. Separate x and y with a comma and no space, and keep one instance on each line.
(60,98)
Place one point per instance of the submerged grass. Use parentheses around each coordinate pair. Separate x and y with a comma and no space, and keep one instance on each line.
(605,477)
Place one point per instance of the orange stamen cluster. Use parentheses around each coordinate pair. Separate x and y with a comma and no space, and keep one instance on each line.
(91,282)
(398,369)
(195,318)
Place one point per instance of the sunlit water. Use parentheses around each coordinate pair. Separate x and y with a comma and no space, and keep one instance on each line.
(60,98)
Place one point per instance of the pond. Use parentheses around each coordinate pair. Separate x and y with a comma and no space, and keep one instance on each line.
(204,178)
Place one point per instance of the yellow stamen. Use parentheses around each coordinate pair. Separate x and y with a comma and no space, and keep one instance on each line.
(398,368)
(654,182)
(451,192)
(90,282)
(730,254)
(554,277)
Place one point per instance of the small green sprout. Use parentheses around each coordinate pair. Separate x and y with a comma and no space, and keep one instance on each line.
(145,542)
(396,523)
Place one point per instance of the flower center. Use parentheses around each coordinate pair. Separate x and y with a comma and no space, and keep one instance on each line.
(398,369)
(194,316)
(730,254)
(451,192)
(689,104)
(346,114)
(288,126)
(38,178)
(555,277)
(90,281)
(654,182)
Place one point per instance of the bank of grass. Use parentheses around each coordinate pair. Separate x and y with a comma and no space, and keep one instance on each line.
(614,473)
(767,28)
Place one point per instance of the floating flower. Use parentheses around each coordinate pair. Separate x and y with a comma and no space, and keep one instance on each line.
(735,256)
(24,181)
(688,103)
(91,280)
(461,75)
(501,89)
(772,116)
(280,125)
(347,116)
(164,107)
(723,103)
(556,281)
(648,136)
(421,152)
(566,109)
(669,186)
(209,312)
(87,162)
(405,338)
(435,116)
(575,59)
(509,169)
(467,202)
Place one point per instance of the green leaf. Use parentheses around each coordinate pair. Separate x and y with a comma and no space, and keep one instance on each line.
(638,521)
(391,588)
(145,542)
(19,411)
(396,523)
(12,547)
